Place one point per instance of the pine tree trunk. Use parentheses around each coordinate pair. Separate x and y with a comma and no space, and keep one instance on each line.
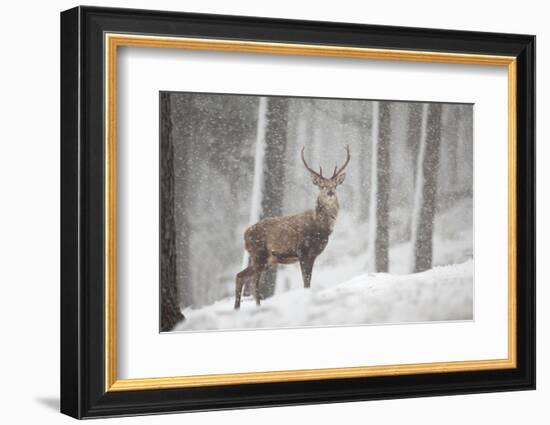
(454,120)
(426,189)
(380,187)
(414,132)
(170,311)
(365,127)
(274,175)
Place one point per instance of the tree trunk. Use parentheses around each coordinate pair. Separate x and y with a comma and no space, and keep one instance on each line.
(380,187)
(426,188)
(259,163)
(273,175)
(454,119)
(365,127)
(170,311)
(414,132)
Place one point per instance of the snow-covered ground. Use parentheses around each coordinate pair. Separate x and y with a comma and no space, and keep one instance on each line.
(344,293)
(442,293)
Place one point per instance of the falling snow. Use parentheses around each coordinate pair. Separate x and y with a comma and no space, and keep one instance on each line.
(220,169)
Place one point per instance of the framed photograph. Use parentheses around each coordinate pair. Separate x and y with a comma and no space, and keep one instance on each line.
(261,212)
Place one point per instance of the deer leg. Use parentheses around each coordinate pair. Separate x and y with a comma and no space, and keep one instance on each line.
(259,263)
(306,264)
(242,277)
(256,288)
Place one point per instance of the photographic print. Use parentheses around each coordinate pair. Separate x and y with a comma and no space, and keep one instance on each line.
(287,212)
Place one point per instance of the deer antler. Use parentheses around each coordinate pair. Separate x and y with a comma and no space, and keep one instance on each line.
(337,170)
(309,169)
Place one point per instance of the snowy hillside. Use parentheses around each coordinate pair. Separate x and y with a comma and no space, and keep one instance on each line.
(443,293)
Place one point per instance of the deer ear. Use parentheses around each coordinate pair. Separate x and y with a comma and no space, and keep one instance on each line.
(340,178)
(316,180)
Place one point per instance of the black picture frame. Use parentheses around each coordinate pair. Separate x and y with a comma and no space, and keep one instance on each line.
(83,392)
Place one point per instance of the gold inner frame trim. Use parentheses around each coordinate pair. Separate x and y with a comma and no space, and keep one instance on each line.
(113,41)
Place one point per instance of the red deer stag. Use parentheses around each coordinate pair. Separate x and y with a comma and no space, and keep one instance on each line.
(286,240)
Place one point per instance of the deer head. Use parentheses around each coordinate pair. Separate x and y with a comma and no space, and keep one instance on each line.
(327,185)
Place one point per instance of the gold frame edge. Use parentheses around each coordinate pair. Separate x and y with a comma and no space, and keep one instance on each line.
(113,41)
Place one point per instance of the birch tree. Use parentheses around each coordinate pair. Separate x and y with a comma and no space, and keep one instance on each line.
(258,181)
(426,188)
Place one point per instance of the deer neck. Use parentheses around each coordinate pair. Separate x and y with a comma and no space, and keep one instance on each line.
(326,212)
